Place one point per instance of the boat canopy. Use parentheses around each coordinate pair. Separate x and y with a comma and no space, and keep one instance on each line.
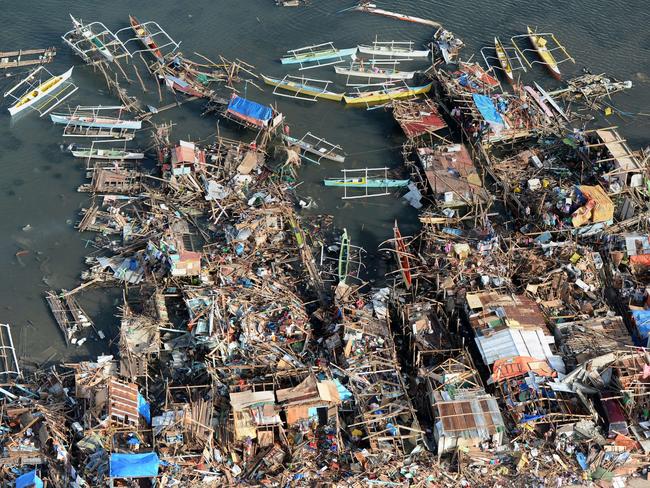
(488,110)
(249,109)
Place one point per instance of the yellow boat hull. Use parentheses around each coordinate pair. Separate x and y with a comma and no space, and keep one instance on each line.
(546,56)
(385,96)
(302,89)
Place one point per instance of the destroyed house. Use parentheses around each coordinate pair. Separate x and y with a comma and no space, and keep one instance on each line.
(187,158)
(310,400)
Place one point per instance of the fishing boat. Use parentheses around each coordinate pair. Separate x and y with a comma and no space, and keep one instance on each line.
(448,44)
(363,182)
(183,86)
(372,71)
(393,49)
(303,88)
(546,97)
(300,56)
(86,152)
(372,8)
(318,147)
(146,38)
(95,121)
(402,256)
(87,33)
(504,61)
(540,45)
(379,96)
(538,100)
(40,92)
(344,256)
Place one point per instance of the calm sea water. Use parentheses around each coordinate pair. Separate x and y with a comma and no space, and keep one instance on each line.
(39,181)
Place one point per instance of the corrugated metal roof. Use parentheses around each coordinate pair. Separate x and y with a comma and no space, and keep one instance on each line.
(123,402)
(477,417)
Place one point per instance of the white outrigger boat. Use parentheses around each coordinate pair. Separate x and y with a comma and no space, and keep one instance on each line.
(90,117)
(114,154)
(87,33)
(39,92)
(394,49)
(373,71)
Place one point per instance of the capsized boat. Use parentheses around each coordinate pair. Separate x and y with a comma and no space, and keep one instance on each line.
(87,33)
(321,152)
(95,121)
(303,89)
(540,45)
(41,91)
(504,61)
(363,182)
(87,152)
(317,55)
(379,96)
(184,86)
(145,37)
(372,8)
(392,49)
(402,256)
(373,71)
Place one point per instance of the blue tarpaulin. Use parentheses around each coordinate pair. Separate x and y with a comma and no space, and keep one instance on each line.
(144,409)
(344,393)
(485,105)
(29,480)
(642,321)
(134,465)
(250,109)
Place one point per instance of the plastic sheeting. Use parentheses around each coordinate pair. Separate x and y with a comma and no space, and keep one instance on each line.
(134,465)
(488,110)
(250,109)
(30,479)
(642,321)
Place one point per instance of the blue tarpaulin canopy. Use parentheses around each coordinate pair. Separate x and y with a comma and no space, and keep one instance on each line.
(134,465)
(642,321)
(250,109)
(485,105)
(29,480)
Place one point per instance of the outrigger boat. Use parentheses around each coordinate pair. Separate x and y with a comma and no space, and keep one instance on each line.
(363,182)
(379,96)
(540,45)
(393,49)
(402,256)
(301,88)
(87,33)
(81,120)
(328,51)
(86,152)
(39,93)
(145,37)
(317,146)
(504,61)
(371,71)
(372,8)
(344,256)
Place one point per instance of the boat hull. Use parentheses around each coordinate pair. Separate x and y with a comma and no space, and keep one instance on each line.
(337,53)
(379,97)
(16,108)
(395,75)
(303,89)
(545,55)
(366,183)
(146,39)
(392,52)
(80,122)
(503,59)
(102,155)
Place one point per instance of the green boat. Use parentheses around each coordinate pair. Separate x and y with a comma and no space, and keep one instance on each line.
(363,182)
(344,256)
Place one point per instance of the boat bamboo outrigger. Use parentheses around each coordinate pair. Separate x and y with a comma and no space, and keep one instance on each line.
(303,88)
(90,117)
(546,53)
(313,55)
(112,154)
(385,95)
(41,96)
(316,146)
(372,9)
(393,49)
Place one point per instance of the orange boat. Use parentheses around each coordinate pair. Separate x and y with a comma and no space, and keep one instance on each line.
(145,37)
(402,256)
